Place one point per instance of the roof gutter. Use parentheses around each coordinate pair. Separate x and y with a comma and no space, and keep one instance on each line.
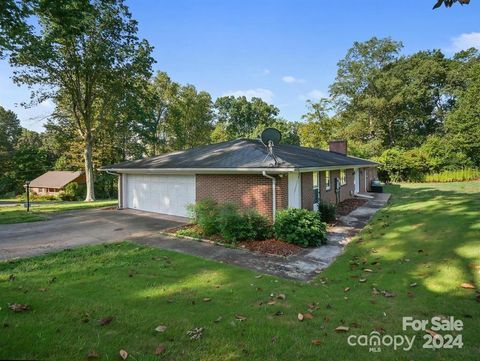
(274,187)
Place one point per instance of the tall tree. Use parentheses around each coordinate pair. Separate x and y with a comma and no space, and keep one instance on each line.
(240,117)
(85,55)
(319,127)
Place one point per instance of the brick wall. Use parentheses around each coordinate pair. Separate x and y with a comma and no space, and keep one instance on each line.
(245,190)
(330,196)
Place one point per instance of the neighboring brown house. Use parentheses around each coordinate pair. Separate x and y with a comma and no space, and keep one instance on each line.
(241,171)
(52,182)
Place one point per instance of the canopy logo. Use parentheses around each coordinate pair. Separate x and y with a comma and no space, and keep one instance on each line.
(432,340)
(375,340)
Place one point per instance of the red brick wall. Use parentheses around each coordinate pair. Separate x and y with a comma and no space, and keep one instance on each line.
(245,190)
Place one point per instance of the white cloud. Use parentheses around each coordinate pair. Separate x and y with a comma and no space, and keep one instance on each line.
(266,72)
(465,41)
(48,104)
(314,94)
(291,79)
(265,94)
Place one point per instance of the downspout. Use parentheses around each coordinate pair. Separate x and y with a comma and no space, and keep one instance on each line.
(120,189)
(274,198)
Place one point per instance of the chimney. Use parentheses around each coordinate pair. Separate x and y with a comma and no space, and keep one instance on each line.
(338,146)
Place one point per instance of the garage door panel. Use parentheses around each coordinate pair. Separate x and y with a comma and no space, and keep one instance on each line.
(168,194)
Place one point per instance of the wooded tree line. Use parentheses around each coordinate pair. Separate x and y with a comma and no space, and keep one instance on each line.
(416,113)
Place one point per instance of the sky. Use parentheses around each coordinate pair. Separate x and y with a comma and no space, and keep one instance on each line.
(282,51)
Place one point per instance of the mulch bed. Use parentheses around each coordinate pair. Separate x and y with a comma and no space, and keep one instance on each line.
(348,205)
(271,246)
(268,246)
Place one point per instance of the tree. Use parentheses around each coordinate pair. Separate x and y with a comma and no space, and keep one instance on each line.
(86,56)
(318,128)
(449,3)
(240,117)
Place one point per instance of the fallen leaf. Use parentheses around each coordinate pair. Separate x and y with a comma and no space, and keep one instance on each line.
(92,355)
(362,280)
(346,289)
(123,354)
(414,284)
(271,302)
(159,350)
(196,333)
(300,317)
(240,317)
(43,289)
(218,319)
(431,333)
(307,315)
(259,276)
(279,313)
(161,328)
(316,341)
(467,286)
(105,321)
(19,307)
(281,296)
(367,270)
(410,294)
(342,329)
(207,299)
(388,294)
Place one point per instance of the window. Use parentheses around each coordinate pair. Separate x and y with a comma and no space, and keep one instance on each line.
(316,195)
(327,180)
(343,177)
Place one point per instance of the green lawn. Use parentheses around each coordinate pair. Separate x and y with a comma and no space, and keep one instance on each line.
(429,234)
(19,214)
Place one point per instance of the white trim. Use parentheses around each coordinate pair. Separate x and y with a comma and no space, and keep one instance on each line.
(356,180)
(294,190)
(271,170)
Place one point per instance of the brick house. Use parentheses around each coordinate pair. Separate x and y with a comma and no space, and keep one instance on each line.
(241,171)
(52,182)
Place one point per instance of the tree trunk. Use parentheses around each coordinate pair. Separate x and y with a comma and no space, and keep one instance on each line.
(90,197)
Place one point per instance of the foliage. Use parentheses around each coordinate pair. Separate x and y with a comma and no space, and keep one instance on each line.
(72,192)
(459,175)
(238,226)
(449,3)
(205,213)
(328,212)
(90,54)
(189,232)
(229,222)
(300,226)
(238,117)
(318,128)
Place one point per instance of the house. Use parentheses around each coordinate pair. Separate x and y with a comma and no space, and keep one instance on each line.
(242,171)
(52,182)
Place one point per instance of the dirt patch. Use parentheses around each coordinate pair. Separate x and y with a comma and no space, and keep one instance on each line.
(271,246)
(348,205)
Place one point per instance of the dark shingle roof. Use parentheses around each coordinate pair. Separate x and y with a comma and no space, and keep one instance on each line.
(243,153)
(55,179)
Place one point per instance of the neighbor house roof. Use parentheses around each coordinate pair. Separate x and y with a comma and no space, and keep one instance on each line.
(243,154)
(55,179)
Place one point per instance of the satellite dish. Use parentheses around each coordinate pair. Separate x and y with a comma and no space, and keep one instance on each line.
(271,135)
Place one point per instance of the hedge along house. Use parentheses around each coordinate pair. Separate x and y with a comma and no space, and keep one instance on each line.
(243,172)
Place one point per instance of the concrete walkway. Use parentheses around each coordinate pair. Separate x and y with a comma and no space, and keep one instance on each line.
(302,266)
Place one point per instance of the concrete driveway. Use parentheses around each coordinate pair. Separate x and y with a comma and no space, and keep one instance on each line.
(76,228)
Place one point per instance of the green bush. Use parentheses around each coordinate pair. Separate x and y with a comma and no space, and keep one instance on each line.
(205,214)
(459,175)
(328,212)
(300,226)
(238,226)
(189,232)
(228,222)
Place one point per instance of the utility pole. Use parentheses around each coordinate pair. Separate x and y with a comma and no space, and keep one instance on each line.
(27,187)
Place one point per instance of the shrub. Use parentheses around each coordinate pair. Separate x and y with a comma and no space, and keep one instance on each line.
(205,214)
(459,175)
(189,232)
(328,212)
(300,226)
(238,226)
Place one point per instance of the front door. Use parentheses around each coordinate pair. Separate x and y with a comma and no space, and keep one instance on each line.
(357,180)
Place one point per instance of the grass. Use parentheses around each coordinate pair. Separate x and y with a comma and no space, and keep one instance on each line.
(459,175)
(19,214)
(429,234)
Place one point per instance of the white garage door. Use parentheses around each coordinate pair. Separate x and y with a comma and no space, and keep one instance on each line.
(169,194)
